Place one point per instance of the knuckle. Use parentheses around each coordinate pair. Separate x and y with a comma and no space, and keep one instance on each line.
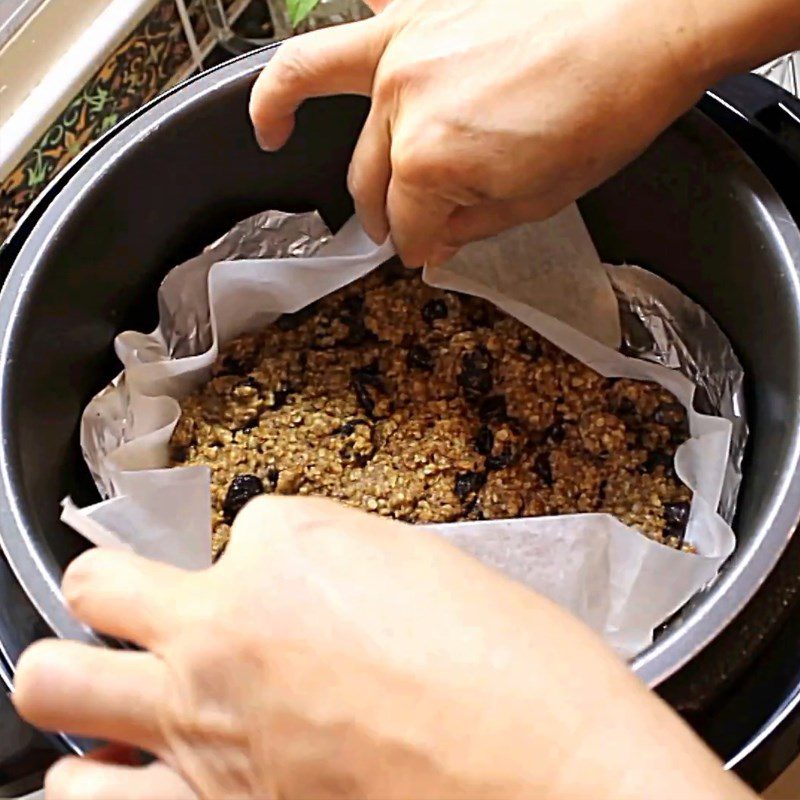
(392,79)
(413,165)
(424,156)
(289,65)
(283,518)
(179,713)
(502,179)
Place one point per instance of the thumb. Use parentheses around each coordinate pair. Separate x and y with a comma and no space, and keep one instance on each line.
(336,60)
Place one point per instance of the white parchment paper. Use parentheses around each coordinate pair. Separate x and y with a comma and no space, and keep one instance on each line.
(547,275)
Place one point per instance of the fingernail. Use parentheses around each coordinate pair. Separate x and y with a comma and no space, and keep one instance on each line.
(378,234)
(440,256)
(263,141)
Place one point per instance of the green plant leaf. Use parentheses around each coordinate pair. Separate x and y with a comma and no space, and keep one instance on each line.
(299,10)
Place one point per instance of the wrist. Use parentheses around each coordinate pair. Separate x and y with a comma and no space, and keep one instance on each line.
(739,35)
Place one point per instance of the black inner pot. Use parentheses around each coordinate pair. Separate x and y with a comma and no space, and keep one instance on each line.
(693,208)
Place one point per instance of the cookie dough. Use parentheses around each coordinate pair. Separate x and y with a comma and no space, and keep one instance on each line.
(430,406)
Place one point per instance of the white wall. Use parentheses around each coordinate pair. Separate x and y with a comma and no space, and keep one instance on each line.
(50,58)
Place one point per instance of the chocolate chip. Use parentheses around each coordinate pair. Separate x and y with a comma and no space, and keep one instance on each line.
(468,483)
(676,514)
(673,415)
(541,466)
(493,408)
(556,433)
(357,333)
(349,427)
(178,453)
(433,310)
(346,452)
(272,477)
(364,398)
(290,322)
(353,304)
(242,489)
(658,458)
(250,423)
(479,312)
(394,271)
(531,347)
(626,407)
(373,368)
(279,398)
(676,533)
(505,458)
(369,373)
(419,357)
(475,377)
(676,518)
(484,441)
(679,435)
(230,365)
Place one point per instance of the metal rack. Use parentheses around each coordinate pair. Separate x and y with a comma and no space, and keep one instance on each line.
(785,72)
(327,12)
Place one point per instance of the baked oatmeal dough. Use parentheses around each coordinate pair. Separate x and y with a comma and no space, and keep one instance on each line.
(429,406)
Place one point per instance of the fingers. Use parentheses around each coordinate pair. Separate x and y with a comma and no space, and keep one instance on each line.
(83,779)
(376,6)
(120,692)
(336,60)
(417,218)
(368,178)
(124,595)
(268,517)
(270,521)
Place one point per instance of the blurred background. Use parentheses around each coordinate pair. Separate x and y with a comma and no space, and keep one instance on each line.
(71,69)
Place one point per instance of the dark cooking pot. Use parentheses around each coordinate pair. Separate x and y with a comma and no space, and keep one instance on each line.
(693,208)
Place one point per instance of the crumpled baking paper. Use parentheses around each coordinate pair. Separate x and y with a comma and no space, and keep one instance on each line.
(621,583)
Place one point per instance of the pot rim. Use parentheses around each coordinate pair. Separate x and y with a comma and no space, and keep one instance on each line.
(37,570)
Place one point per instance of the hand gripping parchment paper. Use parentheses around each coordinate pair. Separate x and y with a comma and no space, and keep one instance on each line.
(548,276)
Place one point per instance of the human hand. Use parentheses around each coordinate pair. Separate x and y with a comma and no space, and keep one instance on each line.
(488,114)
(331,653)
(114,771)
